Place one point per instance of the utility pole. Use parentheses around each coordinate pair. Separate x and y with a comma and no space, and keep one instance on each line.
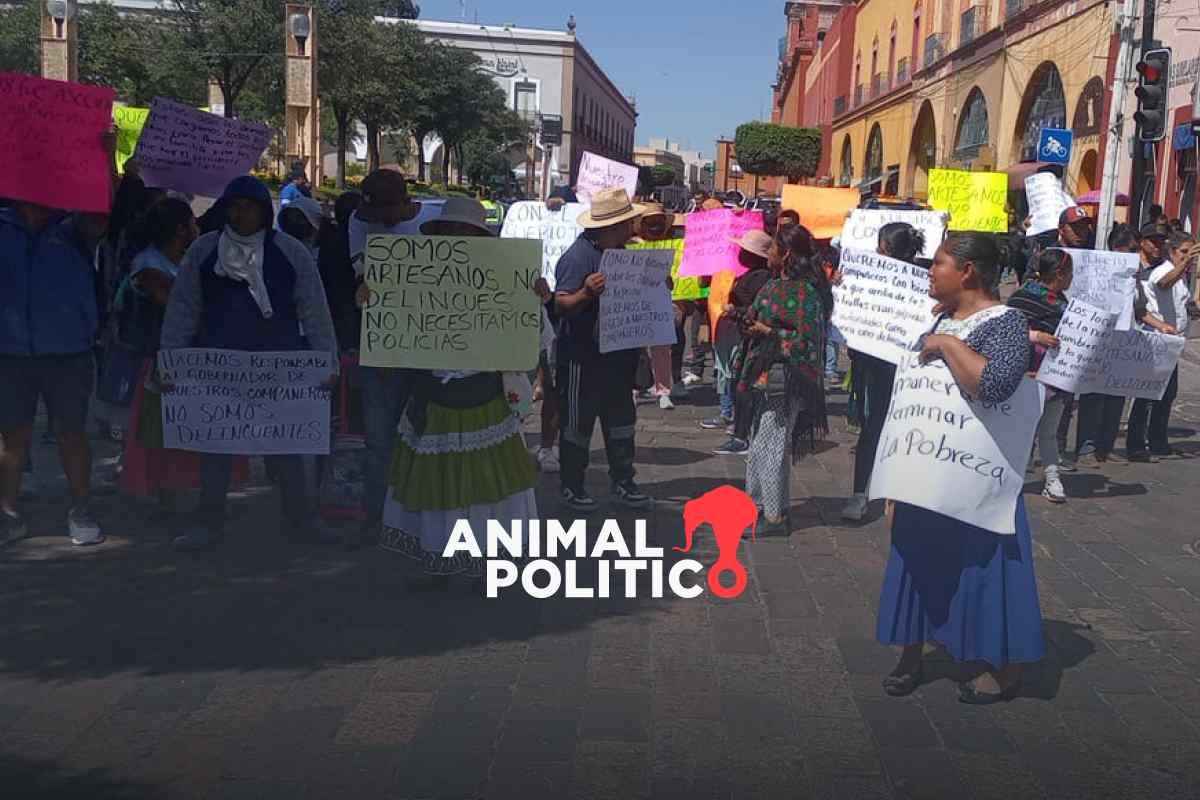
(1143,172)
(1116,121)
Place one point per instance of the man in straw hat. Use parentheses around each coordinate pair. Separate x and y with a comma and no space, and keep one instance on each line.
(592,384)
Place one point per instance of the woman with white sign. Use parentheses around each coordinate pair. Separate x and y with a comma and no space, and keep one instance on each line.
(971,590)
(1043,302)
(459,453)
(779,370)
(872,378)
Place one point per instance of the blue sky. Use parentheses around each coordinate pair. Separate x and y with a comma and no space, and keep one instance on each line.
(699,69)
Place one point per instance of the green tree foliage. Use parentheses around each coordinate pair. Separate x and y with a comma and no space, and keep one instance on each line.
(767,149)
(662,175)
(19,32)
(234,40)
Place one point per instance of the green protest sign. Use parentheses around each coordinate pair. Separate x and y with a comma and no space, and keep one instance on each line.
(129,122)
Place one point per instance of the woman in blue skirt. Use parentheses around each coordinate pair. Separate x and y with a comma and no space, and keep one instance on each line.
(966,588)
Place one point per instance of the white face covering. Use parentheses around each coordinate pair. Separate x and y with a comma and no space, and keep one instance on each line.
(240,258)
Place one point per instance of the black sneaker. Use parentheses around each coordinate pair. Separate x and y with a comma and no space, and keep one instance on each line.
(716,423)
(578,500)
(628,494)
(734,447)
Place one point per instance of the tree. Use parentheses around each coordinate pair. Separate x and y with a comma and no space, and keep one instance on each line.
(19,31)
(387,92)
(141,56)
(662,175)
(400,9)
(233,39)
(345,30)
(765,148)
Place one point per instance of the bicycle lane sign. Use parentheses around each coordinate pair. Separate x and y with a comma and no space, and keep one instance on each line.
(1054,146)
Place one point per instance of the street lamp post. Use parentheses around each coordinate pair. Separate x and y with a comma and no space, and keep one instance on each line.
(60,37)
(302,115)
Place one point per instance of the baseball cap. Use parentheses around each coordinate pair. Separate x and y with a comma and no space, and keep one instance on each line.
(1153,230)
(1072,215)
(383,188)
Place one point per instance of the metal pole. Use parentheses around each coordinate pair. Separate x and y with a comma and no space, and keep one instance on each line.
(1143,179)
(1116,123)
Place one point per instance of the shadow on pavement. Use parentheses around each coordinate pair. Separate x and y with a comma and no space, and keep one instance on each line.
(23,778)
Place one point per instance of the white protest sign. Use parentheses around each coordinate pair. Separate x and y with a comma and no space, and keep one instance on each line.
(882,305)
(1094,357)
(597,172)
(557,230)
(962,458)
(242,403)
(1047,201)
(861,231)
(636,309)
(1106,280)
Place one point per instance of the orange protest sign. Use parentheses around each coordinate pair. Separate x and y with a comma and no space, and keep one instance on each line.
(822,209)
(718,296)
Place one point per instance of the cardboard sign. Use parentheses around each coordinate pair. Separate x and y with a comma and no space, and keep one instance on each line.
(861,231)
(52,143)
(636,309)
(976,201)
(129,122)
(557,230)
(707,245)
(685,287)
(1106,280)
(882,305)
(718,296)
(597,172)
(231,401)
(1093,356)
(451,302)
(1047,201)
(190,151)
(822,210)
(955,456)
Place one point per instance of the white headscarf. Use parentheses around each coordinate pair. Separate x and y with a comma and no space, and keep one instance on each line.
(240,258)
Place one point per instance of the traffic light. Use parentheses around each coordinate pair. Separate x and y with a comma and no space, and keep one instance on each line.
(1154,75)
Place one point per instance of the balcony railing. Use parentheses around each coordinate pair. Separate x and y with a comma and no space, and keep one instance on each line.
(876,85)
(969,26)
(935,49)
(1014,7)
(858,95)
(902,71)
(839,105)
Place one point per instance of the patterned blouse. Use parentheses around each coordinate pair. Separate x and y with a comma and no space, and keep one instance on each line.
(1004,341)
(792,306)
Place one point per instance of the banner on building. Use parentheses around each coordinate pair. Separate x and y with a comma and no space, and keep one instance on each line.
(242,403)
(882,305)
(861,231)
(1095,357)
(597,172)
(636,309)
(451,302)
(557,230)
(708,246)
(822,209)
(52,143)
(194,152)
(976,201)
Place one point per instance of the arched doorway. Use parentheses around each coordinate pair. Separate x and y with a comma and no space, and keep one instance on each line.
(972,134)
(873,162)
(1043,106)
(1089,174)
(922,154)
(1089,108)
(846,175)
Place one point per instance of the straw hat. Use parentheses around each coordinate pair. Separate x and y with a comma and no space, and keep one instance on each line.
(609,207)
(653,210)
(464,210)
(756,242)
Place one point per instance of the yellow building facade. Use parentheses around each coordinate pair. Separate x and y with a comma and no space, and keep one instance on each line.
(988,78)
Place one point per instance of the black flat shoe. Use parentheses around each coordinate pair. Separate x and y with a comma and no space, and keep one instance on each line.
(967,693)
(903,685)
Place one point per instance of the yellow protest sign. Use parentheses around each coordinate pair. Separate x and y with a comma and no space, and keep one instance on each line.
(451,302)
(129,122)
(686,288)
(976,201)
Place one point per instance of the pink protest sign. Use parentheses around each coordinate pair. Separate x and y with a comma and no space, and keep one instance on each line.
(192,151)
(52,143)
(707,248)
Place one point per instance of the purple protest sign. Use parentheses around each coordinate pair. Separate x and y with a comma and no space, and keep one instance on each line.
(597,172)
(707,248)
(192,151)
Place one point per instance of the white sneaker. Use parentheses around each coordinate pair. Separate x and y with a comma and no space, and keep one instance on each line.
(856,507)
(1053,490)
(689,378)
(548,460)
(664,402)
(84,530)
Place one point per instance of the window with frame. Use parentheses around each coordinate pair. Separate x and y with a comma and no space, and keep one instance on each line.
(972,127)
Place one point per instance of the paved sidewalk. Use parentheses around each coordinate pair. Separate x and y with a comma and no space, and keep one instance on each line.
(268,669)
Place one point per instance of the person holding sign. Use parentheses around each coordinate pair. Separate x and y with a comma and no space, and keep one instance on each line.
(250,288)
(1043,302)
(871,378)
(779,371)
(591,384)
(655,226)
(947,581)
(459,451)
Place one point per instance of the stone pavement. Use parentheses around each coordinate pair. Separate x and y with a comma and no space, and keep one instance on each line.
(270,669)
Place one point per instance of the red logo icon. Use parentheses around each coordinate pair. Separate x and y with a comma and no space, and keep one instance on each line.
(729,511)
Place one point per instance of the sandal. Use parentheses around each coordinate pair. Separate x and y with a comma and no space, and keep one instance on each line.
(967,693)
